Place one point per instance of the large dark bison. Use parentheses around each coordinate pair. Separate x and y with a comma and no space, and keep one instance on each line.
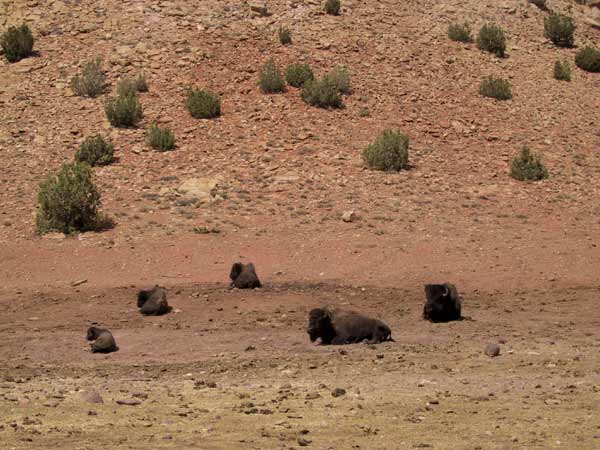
(243,276)
(104,342)
(337,327)
(153,302)
(442,303)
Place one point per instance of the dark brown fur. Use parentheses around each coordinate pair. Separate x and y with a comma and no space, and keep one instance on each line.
(338,327)
(442,303)
(104,342)
(243,276)
(153,302)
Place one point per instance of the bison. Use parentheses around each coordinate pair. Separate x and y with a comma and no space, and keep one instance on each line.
(337,327)
(442,303)
(104,342)
(243,276)
(153,302)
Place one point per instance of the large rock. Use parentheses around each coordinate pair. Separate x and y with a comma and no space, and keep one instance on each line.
(203,189)
(91,396)
(259,8)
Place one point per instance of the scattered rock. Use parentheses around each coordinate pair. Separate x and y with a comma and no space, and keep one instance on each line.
(92,396)
(349,216)
(128,402)
(202,189)
(259,7)
(338,392)
(492,350)
(303,442)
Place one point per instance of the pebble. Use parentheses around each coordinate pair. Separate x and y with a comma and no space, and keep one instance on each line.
(338,392)
(92,396)
(492,350)
(128,402)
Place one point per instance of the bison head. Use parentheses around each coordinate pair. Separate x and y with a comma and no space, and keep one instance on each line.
(236,270)
(93,333)
(442,304)
(320,326)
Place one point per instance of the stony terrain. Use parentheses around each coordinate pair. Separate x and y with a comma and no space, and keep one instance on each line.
(272,178)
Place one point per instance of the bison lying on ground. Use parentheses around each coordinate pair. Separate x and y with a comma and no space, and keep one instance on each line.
(243,276)
(338,327)
(104,342)
(153,302)
(442,303)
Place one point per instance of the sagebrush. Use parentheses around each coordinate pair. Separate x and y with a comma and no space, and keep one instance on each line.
(270,80)
(491,39)
(124,110)
(560,29)
(333,7)
(68,201)
(17,43)
(130,85)
(203,104)
(297,74)
(95,151)
(528,166)
(323,93)
(562,70)
(588,59)
(341,78)
(91,82)
(497,88)
(285,36)
(460,32)
(389,152)
(161,139)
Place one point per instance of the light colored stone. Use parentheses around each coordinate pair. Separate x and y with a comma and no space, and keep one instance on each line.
(492,350)
(349,216)
(259,7)
(91,396)
(200,188)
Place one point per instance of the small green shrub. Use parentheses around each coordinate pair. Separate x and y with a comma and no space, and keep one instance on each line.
(92,80)
(333,7)
(203,104)
(588,59)
(541,4)
(95,151)
(285,36)
(270,80)
(562,70)
(528,166)
(131,85)
(389,152)
(559,29)
(68,201)
(491,39)
(17,43)
(341,78)
(497,88)
(124,110)
(297,74)
(363,112)
(323,93)
(161,139)
(460,32)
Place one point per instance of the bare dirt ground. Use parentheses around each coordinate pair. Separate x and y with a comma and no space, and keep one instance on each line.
(235,370)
